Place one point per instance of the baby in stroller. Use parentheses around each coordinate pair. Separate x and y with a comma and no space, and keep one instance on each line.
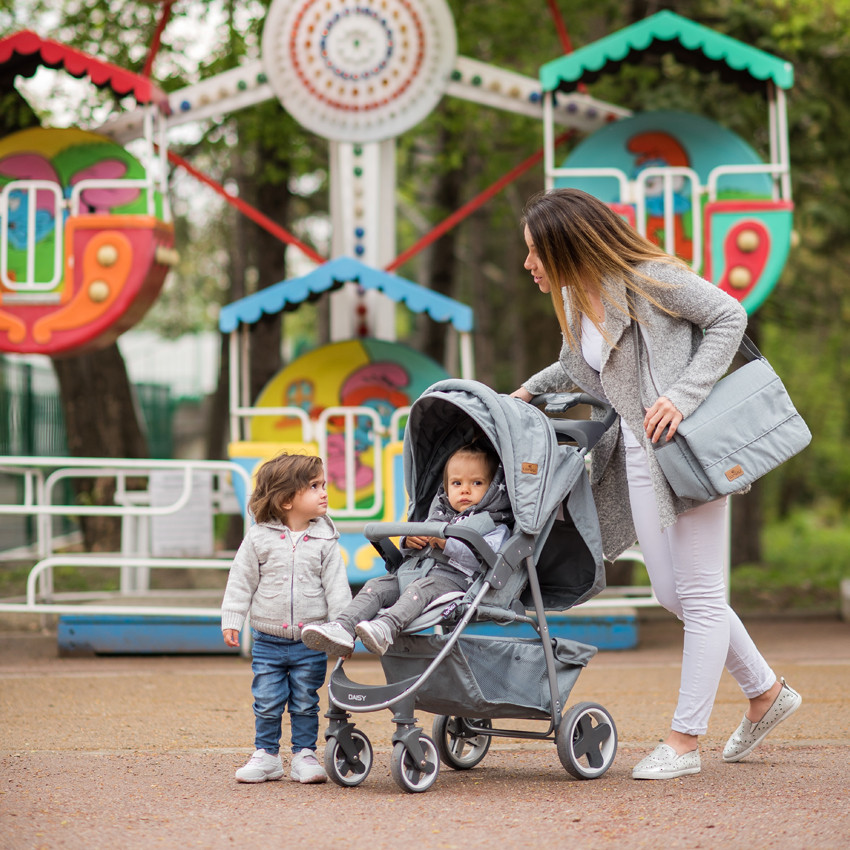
(473,492)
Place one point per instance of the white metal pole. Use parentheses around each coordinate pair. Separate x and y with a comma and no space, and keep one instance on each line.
(782,133)
(548,140)
(467,357)
(233,382)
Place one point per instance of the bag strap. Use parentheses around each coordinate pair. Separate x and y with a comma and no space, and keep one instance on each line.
(746,348)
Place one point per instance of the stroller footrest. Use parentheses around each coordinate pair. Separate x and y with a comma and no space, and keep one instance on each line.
(345,693)
(501,615)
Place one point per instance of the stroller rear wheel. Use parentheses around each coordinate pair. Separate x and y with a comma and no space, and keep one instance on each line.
(344,770)
(410,776)
(587,740)
(457,741)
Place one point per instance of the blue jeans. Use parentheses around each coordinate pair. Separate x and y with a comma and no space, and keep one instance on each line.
(286,673)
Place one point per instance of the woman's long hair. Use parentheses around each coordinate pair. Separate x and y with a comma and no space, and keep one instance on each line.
(582,242)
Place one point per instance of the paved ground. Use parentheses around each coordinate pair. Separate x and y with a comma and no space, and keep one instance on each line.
(131,753)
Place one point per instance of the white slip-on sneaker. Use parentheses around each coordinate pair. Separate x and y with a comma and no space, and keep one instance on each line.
(331,638)
(306,769)
(261,767)
(664,763)
(749,735)
(375,635)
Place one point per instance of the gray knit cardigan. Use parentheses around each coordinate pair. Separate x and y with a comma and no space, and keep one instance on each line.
(691,350)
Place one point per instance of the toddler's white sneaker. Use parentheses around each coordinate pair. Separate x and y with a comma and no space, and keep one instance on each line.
(306,769)
(261,767)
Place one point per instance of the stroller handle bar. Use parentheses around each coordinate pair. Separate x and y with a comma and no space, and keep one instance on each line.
(585,432)
(376,531)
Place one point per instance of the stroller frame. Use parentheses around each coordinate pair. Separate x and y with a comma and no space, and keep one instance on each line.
(586,735)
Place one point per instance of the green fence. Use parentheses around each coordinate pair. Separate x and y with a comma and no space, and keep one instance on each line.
(31,420)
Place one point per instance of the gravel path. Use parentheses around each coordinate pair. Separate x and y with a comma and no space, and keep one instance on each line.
(131,753)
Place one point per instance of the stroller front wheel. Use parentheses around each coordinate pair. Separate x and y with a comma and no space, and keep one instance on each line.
(457,741)
(410,776)
(342,769)
(587,740)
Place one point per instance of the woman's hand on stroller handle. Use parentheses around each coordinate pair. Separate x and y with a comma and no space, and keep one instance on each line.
(555,403)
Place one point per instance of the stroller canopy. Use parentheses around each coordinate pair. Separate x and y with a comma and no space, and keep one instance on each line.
(541,476)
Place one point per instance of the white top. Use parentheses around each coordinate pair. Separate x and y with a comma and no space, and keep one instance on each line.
(295,535)
(591,349)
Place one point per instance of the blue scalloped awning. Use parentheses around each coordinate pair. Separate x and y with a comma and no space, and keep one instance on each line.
(666,32)
(290,294)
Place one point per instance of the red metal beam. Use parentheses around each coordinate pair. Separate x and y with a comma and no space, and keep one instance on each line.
(470,207)
(254,214)
(164,17)
(560,26)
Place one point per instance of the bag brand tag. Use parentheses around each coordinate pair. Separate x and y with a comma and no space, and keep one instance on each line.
(530,468)
(734,472)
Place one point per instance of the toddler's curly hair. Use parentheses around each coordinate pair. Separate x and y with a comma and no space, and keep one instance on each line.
(279,480)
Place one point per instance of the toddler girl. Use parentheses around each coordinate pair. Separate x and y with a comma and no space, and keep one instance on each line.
(287,573)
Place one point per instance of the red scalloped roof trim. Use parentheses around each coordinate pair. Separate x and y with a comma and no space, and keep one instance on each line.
(24,51)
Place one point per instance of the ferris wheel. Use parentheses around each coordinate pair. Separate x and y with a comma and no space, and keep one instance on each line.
(359,73)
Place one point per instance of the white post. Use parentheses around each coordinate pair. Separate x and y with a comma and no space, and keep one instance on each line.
(233,385)
(467,357)
(548,140)
(782,134)
(363,221)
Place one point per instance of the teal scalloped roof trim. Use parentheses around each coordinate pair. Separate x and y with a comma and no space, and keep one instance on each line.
(666,26)
(290,294)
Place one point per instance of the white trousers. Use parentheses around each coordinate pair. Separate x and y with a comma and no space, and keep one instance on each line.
(685,563)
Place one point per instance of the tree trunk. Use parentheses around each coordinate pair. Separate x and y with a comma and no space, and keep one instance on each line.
(747,514)
(101,420)
(747,520)
(440,275)
(269,259)
(483,295)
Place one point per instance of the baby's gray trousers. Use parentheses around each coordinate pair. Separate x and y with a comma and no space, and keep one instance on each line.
(383,592)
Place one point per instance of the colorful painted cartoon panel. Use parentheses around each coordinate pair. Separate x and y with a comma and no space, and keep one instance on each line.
(83,248)
(706,236)
(380,375)
(665,138)
(662,140)
(747,244)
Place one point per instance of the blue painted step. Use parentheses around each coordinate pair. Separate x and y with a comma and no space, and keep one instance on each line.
(79,634)
(134,635)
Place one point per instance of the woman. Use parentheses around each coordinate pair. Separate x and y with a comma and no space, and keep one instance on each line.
(603,278)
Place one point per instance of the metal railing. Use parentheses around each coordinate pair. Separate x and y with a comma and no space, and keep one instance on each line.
(42,482)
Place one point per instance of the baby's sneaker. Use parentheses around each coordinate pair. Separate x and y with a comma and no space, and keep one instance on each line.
(262,766)
(376,635)
(331,638)
(306,768)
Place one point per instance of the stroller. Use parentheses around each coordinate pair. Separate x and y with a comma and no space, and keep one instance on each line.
(551,561)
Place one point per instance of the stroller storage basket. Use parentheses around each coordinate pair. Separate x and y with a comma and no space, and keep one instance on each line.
(486,677)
